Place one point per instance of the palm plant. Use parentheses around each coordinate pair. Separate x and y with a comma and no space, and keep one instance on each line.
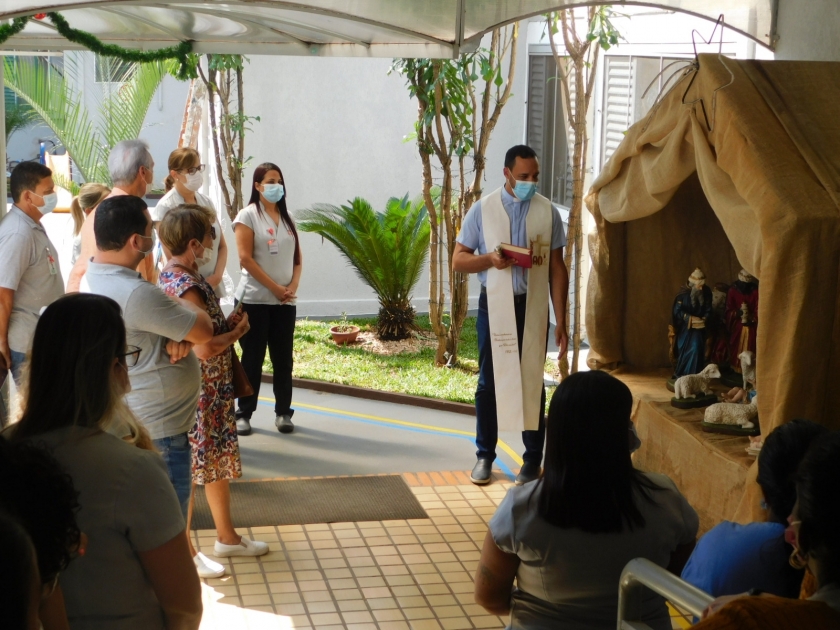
(19,115)
(50,92)
(387,250)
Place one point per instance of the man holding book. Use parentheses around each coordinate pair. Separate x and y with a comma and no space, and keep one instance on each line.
(513,239)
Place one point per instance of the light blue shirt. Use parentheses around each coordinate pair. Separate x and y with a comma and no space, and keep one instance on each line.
(472,235)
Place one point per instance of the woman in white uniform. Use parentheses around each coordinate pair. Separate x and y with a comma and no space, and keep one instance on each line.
(182,184)
(269,254)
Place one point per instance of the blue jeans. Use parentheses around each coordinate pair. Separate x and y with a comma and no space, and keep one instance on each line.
(17,364)
(486,425)
(177,456)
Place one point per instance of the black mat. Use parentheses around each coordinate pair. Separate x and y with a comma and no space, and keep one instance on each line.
(301,501)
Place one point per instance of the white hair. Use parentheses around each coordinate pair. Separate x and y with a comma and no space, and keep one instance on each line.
(126,159)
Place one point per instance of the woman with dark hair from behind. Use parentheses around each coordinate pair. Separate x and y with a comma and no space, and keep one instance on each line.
(566,537)
(814,531)
(269,254)
(137,573)
(733,558)
(38,495)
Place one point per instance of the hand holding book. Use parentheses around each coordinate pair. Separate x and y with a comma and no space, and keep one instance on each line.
(522,256)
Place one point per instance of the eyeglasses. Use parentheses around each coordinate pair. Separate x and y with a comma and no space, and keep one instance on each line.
(194,169)
(130,356)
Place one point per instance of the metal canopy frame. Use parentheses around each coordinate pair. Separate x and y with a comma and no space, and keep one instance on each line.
(350,28)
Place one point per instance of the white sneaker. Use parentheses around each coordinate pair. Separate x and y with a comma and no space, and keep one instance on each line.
(206,567)
(247,547)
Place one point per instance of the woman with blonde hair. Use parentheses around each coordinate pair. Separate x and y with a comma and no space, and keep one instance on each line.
(136,571)
(182,185)
(88,198)
(186,233)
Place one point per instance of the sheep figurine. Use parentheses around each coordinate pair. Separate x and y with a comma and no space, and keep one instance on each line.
(692,384)
(747,367)
(733,413)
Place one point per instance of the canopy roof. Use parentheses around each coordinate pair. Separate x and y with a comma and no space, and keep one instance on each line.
(364,28)
(737,166)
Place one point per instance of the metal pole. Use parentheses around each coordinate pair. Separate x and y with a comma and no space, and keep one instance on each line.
(640,574)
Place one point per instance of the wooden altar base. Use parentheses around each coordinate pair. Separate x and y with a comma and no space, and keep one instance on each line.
(710,469)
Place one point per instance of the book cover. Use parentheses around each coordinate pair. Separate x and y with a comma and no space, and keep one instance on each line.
(522,255)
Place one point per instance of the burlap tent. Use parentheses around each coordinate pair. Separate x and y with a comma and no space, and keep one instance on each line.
(737,166)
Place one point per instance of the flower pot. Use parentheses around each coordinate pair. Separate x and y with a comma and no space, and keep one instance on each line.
(343,338)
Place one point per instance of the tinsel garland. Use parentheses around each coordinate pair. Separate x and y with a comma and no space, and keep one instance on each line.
(181,51)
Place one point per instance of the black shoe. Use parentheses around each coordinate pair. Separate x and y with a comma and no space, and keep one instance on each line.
(480,474)
(528,472)
(243,426)
(284,423)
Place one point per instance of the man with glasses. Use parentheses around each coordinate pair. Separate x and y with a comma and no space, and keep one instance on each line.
(131,167)
(165,375)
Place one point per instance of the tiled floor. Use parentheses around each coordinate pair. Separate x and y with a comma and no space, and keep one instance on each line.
(385,575)
(391,575)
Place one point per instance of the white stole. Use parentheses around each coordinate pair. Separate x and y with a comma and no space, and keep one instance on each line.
(518,383)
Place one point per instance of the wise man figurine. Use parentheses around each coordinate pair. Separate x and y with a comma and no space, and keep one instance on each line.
(742,317)
(692,308)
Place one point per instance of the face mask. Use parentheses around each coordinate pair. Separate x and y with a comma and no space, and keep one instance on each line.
(200,261)
(50,202)
(524,190)
(151,248)
(194,182)
(273,192)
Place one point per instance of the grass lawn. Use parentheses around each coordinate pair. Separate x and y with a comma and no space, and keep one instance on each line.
(317,357)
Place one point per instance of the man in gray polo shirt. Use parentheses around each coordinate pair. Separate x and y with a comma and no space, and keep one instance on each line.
(30,277)
(164,388)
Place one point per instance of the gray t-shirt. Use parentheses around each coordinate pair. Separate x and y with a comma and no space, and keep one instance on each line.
(173,199)
(128,506)
(568,578)
(29,267)
(274,252)
(164,396)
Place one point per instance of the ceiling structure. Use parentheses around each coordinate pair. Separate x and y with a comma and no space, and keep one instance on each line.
(347,28)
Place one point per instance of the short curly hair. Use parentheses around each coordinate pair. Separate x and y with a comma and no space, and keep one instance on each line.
(37,491)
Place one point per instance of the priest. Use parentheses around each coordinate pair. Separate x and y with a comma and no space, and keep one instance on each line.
(512,323)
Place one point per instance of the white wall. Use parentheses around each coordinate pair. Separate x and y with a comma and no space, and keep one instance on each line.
(336,128)
(809,30)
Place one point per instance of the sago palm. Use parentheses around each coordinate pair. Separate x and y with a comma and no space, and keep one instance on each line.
(387,250)
(49,91)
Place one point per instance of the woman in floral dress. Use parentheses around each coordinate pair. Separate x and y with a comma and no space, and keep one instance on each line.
(186,233)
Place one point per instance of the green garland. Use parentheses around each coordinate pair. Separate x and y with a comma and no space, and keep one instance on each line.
(181,52)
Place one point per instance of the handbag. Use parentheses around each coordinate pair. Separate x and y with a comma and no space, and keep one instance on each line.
(241,385)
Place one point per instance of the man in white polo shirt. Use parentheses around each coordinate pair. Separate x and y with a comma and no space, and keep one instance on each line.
(164,388)
(30,277)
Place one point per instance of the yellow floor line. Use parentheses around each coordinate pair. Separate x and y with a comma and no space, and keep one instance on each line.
(507,449)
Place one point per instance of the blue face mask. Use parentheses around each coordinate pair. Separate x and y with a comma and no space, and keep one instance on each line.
(273,192)
(524,190)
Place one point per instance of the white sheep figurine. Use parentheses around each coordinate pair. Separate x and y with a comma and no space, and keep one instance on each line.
(692,384)
(733,413)
(747,367)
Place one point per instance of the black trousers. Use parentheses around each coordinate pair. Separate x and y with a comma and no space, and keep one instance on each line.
(272,326)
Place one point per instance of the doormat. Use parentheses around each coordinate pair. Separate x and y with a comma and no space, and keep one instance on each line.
(302,501)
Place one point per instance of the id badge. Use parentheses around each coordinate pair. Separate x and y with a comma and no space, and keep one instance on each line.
(51,262)
(273,247)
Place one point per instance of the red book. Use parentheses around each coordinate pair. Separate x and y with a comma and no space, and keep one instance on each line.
(522,255)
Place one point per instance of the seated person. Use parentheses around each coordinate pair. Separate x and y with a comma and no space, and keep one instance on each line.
(815,531)
(733,558)
(566,537)
(39,497)
(137,572)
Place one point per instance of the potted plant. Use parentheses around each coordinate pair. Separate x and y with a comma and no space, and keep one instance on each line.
(344,333)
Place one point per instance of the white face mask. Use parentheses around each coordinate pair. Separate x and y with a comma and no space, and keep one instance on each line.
(194,181)
(50,202)
(200,261)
